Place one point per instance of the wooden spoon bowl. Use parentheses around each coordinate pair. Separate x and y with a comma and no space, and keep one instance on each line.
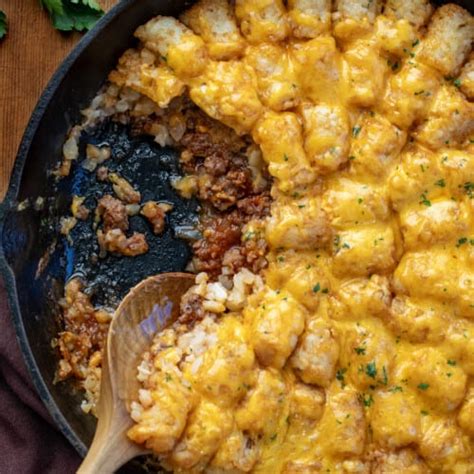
(148,308)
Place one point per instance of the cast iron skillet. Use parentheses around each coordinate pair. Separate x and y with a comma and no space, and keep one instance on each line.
(27,235)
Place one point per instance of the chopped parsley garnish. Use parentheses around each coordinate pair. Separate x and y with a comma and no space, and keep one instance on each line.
(424,412)
(3,24)
(285,157)
(419,92)
(273,437)
(371,370)
(168,378)
(395,389)
(441,183)
(424,200)
(461,241)
(451,362)
(340,376)
(325,290)
(356,131)
(367,400)
(352,157)
(417,41)
(281,259)
(469,188)
(248,235)
(457,83)
(423,386)
(360,350)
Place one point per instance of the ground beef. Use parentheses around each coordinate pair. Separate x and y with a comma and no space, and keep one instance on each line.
(222,233)
(250,254)
(191,309)
(155,213)
(85,331)
(113,213)
(256,207)
(116,241)
(217,157)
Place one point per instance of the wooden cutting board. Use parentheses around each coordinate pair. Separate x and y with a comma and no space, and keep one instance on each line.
(29,55)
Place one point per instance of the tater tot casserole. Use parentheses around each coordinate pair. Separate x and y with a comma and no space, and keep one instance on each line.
(330,328)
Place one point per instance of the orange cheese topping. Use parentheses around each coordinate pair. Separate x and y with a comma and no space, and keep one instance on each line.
(358,353)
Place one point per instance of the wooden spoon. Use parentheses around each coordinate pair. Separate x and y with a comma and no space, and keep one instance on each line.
(148,308)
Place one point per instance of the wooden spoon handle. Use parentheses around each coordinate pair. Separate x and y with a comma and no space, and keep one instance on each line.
(107,456)
(110,447)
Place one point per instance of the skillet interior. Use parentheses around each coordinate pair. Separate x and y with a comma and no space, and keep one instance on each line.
(31,299)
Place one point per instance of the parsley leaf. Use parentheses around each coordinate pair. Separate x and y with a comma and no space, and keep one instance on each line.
(3,24)
(69,15)
(91,3)
(371,370)
(423,386)
(367,400)
(425,200)
(53,6)
(340,376)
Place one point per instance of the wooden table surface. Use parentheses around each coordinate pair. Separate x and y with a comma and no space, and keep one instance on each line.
(29,55)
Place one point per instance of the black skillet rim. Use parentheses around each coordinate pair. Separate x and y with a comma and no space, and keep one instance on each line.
(9,201)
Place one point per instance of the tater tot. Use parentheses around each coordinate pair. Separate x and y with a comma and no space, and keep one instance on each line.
(326,132)
(227,91)
(184,52)
(416,12)
(262,20)
(449,39)
(215,22)
(278,85)
(309,18)
(353,18)
(280,138)
(466,79)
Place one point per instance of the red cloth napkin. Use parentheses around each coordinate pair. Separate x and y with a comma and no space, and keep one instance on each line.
(29,439)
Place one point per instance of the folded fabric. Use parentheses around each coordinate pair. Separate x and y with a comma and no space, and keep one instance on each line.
(29,439)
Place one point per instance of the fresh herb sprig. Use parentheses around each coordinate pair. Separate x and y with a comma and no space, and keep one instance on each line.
(3,24)
(70,15)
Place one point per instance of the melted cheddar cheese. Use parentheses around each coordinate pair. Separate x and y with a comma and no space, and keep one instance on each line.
(357,355)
